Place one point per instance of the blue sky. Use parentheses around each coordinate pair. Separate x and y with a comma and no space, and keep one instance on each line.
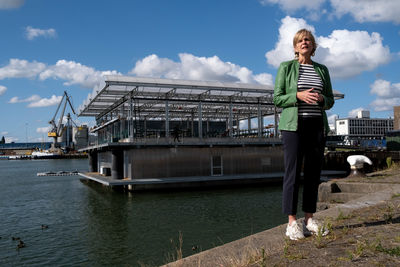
(49,46)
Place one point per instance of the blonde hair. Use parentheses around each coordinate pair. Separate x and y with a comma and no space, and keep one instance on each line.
(299,35)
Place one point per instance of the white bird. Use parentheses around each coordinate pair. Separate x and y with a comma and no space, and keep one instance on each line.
(357,161)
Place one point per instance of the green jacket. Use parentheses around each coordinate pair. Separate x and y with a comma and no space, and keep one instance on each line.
(286,89)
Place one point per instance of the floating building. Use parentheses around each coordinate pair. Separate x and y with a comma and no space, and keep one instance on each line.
(161,133)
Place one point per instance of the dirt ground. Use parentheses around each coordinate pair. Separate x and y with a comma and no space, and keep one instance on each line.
(366,237)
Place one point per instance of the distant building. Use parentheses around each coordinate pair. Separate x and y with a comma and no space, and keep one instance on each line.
(356,130)
(396,123)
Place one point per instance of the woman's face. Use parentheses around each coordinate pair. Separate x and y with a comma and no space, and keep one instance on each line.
(304,46)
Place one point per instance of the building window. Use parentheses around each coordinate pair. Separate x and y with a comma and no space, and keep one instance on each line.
(216,166)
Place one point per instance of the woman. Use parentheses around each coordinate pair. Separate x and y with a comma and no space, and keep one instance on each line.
(303,90)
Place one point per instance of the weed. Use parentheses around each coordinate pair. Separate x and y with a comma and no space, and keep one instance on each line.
(342,217)
(288,254)
(318,240)
(296,256)
(345,230)
(263,258)
(286,247)
(391,251)
(319,237)
(357,252)
(389,162)
(334,201)
(352,241)
(396,195)
(343,259)
(388,215)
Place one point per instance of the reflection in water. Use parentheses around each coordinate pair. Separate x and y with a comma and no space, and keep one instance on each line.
(107,227)
(92,225)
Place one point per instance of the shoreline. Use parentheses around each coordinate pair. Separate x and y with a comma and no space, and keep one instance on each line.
(271,245)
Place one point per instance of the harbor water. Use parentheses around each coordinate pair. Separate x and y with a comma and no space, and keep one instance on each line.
(89,225)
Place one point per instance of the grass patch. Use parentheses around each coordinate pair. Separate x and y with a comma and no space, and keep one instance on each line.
(341,216)
(289,251)
(389,212)
(395,195)
(390,251)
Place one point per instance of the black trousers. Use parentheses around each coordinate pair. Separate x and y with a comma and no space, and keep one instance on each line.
(307,143)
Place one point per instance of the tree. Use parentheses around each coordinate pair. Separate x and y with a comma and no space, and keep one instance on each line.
(3,140)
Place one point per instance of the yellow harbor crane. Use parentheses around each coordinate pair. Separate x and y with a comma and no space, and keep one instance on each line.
(57,129)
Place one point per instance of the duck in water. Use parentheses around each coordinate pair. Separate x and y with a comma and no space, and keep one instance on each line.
(21,244)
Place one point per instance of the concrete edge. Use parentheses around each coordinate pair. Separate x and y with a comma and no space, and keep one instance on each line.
(273,239)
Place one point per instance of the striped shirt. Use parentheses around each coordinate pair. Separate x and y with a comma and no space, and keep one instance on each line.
(308,79)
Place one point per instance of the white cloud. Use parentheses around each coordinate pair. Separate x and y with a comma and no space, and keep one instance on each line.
(74,73)
(3,89)
(385,104)
(385,89)
(8,4)
(346,53)
(349,53)
(354,112)
(32,33)
(332,118)
(36,101)
(156,67)
(388,95)
(294,5)
(16,99)
(332,121)
(4,133)
(361,11)
(46,102)
(197,68)
(369,11)
(43,129)
(70,71)
(284,47)
(18,68)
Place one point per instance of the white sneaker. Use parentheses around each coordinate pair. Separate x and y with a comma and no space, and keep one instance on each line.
(314,227)
(294,231)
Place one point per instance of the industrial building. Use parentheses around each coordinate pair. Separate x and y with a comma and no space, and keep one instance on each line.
(361,129)
(158,131)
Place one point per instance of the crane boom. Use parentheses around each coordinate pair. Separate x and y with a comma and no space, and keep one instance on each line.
(56,130)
